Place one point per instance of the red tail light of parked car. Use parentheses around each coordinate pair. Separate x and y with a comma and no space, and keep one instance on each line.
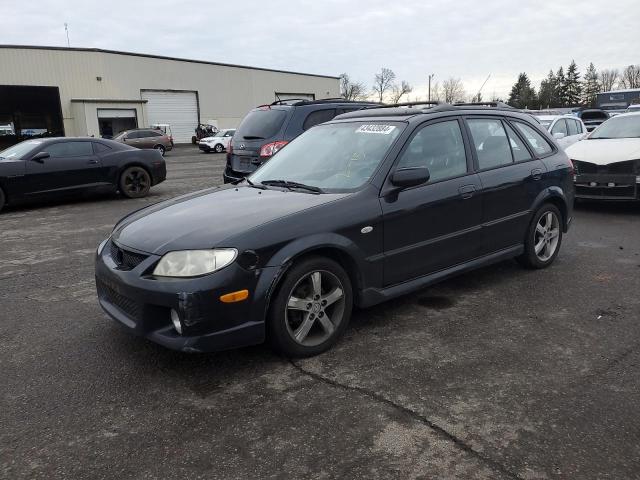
(271,149)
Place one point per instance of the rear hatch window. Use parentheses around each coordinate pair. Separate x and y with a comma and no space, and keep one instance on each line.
(261,124)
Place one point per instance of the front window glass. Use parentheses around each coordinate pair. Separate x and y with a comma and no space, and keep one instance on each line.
(616,127)
(335,157)
(69,149)
(440,148)
(560,127)
(16,152)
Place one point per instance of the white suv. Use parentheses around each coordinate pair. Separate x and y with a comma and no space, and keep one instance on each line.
(566,129)
(218,143)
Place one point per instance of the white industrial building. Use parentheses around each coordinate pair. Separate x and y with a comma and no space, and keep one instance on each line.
(88,91)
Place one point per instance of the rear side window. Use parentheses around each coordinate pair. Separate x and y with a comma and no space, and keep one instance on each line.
(560,127)
(135,134)
(572,126)
(261,124)
(520,152)
(440,148)
(69,149)
(535,140)
(318,117)
(491,143)
(579,127)
(100,148)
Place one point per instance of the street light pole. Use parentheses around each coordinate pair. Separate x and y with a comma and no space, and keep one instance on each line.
(66,29)
(430,78)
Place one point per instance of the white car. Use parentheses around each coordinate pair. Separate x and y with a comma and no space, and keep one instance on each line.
(217,143)
(607,163)
(566,129)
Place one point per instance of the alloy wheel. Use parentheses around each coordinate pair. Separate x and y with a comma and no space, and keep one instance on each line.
(546,236)
(315,308)
(136,181)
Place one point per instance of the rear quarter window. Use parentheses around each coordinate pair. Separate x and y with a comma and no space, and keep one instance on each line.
(537,142)
(318,117)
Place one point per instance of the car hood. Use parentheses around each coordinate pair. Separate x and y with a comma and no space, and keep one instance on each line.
(205,219)
(210,139)
(605,151)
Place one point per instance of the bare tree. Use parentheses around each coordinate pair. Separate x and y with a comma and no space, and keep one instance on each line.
(351,90)
(383,82)
(608,79)
(397,92)
(436,92)
(630,77)
(452,90)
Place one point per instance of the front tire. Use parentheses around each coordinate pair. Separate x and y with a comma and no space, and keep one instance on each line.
(544,237)
(218,148)
(135,182)
(161,149)
(311,308)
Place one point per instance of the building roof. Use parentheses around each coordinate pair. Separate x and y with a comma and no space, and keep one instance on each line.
(160,57)
(628,90)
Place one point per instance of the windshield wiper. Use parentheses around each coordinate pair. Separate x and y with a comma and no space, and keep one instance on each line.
(251,184)
(291,185)
(252,137)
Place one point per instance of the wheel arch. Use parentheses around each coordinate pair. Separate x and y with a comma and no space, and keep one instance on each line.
(556,197)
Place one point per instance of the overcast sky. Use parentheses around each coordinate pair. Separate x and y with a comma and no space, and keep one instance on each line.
(469,39)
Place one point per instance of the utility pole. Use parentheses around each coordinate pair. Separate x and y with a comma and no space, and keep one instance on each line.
(430,78)
(66,29)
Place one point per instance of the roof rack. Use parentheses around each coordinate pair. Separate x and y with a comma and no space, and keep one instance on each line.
(306,101)
(407,104)
(484,104)
(283,102)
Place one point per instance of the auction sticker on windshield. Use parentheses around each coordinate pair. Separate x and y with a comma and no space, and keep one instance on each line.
(376,128)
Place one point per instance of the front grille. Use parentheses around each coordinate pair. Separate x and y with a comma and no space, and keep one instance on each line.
(132,308)
(620,168)
(126,259)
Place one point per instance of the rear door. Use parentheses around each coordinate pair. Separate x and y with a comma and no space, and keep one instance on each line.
(511,180)
(436,225)
(71,164)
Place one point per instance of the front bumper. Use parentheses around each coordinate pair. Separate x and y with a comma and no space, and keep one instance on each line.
(142,304)
(230,176)
(597,186)
(204,147)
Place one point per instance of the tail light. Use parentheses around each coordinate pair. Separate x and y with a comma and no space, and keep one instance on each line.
(271,149)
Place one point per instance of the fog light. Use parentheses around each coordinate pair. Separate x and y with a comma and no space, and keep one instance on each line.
(175,318)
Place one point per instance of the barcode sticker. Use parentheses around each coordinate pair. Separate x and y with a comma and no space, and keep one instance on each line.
(376,128)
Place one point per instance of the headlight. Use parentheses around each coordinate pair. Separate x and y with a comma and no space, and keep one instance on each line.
(101,246)
(192,263)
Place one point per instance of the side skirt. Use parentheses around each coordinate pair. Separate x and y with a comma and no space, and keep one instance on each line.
(373,296)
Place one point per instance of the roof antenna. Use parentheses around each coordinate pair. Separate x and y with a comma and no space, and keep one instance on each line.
(66,29)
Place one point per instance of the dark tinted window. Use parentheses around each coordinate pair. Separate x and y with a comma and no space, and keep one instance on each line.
(318,117)
(535,140)
(491,142)
(560,127)
(518,148)
(134,134)
(440,148)
(69,149)
(155,133)
(101,147)
(261,124)
(148,133)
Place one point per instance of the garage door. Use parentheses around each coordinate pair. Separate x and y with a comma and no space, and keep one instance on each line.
(178,109)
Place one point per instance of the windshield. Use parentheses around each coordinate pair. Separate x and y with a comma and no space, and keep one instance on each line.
(261,124)
(18,151)
(618,127)
(333,157)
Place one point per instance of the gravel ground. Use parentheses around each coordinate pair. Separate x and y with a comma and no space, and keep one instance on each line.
(499,373)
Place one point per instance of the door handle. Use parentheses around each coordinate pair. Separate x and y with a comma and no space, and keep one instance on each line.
(92,162)
(467,191)
(536,173)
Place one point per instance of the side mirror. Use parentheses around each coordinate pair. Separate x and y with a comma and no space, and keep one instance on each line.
(410,177)
(40,156)
(558,135)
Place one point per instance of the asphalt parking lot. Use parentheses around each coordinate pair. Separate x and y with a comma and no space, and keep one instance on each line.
(500,373)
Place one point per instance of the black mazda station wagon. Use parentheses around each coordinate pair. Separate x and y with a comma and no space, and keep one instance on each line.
(374,204)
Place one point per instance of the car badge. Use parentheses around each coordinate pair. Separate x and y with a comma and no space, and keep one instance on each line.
(366,229)
(242,146)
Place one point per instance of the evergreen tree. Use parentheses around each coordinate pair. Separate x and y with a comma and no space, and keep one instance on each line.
(561,90)
(548,94)
(523,95)
(573,85)
(590,86)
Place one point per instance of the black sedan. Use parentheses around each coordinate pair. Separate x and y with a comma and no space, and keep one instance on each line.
(38,168)
(375,204)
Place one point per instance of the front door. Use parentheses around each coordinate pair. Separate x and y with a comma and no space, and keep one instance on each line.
(71,164)
(436,225)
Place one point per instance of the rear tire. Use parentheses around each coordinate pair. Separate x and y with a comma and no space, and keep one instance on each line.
(135,182)
(311,308)
(3,199)
(544,237)
(161,149)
